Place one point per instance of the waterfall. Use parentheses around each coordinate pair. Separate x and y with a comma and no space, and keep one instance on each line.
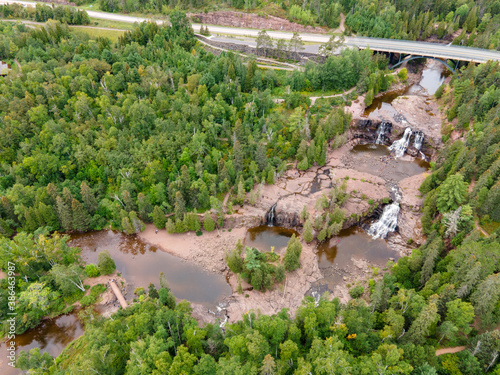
(419,140)
(270,216)
(399,147)
(381,131)
(388,220)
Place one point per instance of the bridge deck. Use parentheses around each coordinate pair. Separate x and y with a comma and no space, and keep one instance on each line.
(118,294)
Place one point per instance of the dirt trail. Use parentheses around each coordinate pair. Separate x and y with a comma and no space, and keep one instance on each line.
(341,27)
(455,349)
(314,98)
(486,234)
(227,196)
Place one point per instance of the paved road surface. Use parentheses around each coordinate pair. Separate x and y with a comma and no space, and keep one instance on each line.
(385,45)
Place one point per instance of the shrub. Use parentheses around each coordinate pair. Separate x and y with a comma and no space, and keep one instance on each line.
(91,270)
(96,290)
(87,300)
(357,291)
(106,264)
(439,92)
(403,74)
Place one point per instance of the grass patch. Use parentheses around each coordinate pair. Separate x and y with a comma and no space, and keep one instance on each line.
(112,24)
(96,290)
(491,226)
(96,33)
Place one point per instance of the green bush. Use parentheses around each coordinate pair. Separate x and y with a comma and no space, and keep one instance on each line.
(439,92)
(91,270)
(357,291)
(97,290)
(87,300)
(105,263)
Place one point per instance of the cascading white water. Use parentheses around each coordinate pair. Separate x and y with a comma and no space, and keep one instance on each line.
(419,140)
(381,131)
(388,220)
(399,147)
(270,215)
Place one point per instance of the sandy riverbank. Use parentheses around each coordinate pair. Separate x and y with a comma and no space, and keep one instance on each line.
(209,250)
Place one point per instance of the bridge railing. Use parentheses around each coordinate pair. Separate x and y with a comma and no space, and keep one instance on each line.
(415,42)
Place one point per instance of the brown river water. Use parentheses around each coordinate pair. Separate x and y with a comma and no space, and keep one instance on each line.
(141,264)
(51,336)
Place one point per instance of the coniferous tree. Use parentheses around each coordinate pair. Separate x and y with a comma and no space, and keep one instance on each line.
(180,206)
(451,194)
(127,226)
(292,254)
(308,231)
(65,214)
(159,218)
(240,195)
(48,216)
(208,222)
(81,218)
(152,292)
(88,198)
(420,328)
(144,206)
(137,225)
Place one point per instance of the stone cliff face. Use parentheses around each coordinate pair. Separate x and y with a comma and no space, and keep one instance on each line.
(420,113)
(287,214)
(364,131)
(253,21)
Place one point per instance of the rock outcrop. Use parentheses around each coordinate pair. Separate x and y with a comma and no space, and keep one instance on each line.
(252,21)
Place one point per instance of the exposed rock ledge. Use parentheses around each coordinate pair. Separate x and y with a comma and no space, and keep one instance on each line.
(253,21)
(420,113)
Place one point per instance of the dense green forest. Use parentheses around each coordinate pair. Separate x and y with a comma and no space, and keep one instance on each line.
(95,134)
(42,13)
(51,278)
(479,22)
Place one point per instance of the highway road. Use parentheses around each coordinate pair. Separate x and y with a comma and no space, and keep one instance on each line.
(383,45)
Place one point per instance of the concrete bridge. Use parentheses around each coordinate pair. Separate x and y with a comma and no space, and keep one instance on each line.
(425,49)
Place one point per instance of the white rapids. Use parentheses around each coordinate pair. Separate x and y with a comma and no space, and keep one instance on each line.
(399,147)
(388,220)
(381,131)
(419,140)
